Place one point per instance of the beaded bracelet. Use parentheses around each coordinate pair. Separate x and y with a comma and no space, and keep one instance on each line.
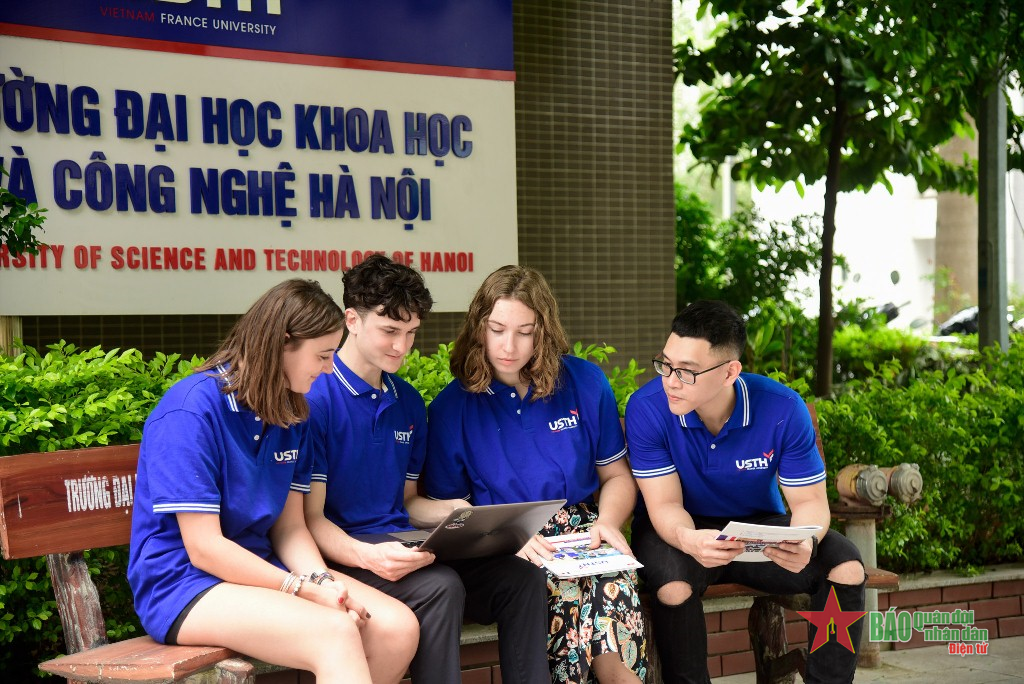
(295,591)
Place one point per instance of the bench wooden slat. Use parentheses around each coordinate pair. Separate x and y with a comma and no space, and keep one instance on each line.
(66,501)
(882,579)
(877,579)
(136,660)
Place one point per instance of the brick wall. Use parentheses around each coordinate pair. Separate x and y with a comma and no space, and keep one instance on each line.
(594,149)
(998,607)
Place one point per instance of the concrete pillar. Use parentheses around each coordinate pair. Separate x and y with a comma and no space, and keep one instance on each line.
(862,534)
(10,328)
(956,240)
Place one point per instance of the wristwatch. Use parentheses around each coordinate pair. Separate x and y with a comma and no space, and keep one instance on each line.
(814,546)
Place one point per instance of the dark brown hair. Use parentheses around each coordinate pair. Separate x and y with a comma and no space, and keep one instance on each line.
(380,285)
(283,317)
(469,357)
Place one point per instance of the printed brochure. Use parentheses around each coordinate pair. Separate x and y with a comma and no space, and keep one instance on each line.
(757,537)
(572,558)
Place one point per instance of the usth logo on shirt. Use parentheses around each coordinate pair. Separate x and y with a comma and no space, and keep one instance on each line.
(404,437)
(286,456)
(568,423)
(761,463)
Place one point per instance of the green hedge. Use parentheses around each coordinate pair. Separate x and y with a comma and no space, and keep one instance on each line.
(430,374)
(783,339)
(68,398)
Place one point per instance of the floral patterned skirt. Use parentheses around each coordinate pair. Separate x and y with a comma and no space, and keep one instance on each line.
(591,616)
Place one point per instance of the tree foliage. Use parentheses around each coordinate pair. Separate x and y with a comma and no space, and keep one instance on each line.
(846,91)
(18,221)
(744,260)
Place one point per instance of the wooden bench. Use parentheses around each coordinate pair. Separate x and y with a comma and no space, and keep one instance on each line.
(62,503)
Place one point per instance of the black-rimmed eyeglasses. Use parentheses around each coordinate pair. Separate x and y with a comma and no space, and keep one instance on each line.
(684,375)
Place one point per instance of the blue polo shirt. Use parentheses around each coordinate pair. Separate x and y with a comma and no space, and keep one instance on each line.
(367,443)
(202,452)
(493,447)
(768,441)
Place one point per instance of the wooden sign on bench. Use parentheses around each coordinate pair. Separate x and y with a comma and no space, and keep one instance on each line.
(66,501)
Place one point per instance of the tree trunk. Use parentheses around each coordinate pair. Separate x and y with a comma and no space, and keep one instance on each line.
(823,376)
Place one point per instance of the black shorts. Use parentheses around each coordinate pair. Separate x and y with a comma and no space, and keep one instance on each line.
(172,634)
(664,563)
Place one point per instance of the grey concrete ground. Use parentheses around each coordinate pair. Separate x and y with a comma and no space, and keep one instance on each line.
(1004,664)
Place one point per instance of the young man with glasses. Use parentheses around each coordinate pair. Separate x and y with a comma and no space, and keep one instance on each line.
(710,444)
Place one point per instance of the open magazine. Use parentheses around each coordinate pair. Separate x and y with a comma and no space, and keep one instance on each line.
(573,558)
(757,537)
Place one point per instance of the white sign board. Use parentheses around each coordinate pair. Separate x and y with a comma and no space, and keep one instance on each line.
(186,183)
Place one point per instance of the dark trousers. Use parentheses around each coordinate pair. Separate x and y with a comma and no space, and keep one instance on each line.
(680,632)
(513,593)
(435,595)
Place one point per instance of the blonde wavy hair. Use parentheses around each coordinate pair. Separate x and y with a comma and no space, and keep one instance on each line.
(526,285)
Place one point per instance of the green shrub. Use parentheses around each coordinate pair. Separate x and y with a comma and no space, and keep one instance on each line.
(966,432)
(64,399)
(428,374)
(29,625)
(70,398)
(858,350)
(783,339)
(745,260)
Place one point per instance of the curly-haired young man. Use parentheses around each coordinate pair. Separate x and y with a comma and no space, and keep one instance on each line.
(368,431)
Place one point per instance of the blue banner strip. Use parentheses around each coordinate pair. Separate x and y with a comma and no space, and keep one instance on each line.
(445,37)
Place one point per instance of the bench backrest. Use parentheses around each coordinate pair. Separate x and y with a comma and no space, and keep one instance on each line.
(817,432)
(66,501)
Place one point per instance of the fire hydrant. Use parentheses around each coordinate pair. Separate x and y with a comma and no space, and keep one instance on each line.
(869,484)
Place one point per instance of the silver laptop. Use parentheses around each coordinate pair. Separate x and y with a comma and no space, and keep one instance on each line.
(477,531)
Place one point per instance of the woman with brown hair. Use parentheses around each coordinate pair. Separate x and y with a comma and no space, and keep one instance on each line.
(525,421)
(220,554)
